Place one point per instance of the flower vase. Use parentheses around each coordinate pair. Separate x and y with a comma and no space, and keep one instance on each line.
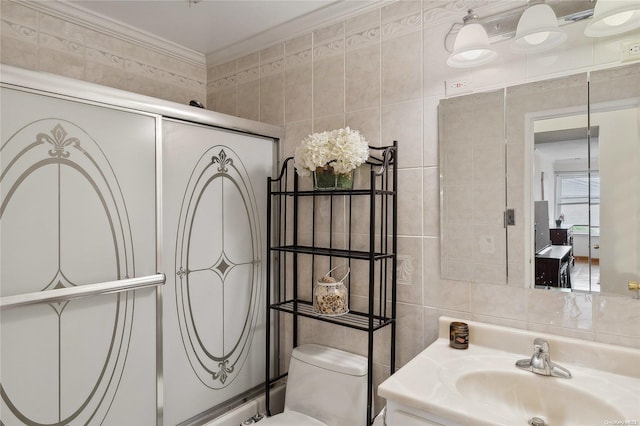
(325,179)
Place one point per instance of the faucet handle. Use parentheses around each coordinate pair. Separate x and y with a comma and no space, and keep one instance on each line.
(540,345)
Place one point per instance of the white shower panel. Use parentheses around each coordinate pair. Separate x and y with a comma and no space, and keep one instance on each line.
(77,184)
(214,192)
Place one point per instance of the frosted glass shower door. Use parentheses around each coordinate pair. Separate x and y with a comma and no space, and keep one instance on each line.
(77,207)
(214,201)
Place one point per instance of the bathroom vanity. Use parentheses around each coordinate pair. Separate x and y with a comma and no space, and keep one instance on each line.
(482,385)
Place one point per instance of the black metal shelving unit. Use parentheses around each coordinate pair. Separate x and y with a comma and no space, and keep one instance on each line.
(374,200)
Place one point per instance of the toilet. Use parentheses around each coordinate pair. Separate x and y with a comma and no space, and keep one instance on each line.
(325,386)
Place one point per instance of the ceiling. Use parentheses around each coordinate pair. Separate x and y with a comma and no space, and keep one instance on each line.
(222,28)
(567,144)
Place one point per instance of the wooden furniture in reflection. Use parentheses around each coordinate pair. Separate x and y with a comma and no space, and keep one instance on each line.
(552,267)
(563,236)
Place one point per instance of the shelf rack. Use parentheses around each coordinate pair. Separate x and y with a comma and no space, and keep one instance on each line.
(328,240)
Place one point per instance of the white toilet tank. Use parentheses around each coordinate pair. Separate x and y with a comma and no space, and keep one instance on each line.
(327,384)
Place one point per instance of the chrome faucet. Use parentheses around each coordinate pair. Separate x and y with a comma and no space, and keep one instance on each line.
(540,362)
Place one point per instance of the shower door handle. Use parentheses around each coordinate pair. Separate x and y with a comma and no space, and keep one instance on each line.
(63,294)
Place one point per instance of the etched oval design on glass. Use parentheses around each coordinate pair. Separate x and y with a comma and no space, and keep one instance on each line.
(218,267)
(64,224)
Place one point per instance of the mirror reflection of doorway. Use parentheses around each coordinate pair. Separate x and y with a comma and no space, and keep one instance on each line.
(590,190)
(567,195)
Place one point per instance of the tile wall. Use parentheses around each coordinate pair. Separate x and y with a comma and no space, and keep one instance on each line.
(36,37)
(383,73)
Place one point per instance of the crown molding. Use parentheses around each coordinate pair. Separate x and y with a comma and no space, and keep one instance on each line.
(332,13)
(85,18)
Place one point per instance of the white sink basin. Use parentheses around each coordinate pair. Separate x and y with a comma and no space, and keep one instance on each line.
(527,395)
(482,385)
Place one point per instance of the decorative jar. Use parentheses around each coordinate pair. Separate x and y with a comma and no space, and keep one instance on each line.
(331,296)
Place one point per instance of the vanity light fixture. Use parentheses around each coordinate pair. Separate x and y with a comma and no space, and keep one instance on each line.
(612,17)
(471,47)
(537,30)
(531,28)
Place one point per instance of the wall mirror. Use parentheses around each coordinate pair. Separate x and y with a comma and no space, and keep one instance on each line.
(472,181)
(553,166)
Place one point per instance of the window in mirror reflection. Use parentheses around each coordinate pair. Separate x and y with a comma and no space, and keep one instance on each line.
(573,197)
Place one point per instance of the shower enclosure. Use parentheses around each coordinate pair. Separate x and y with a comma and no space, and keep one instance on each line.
(132,255)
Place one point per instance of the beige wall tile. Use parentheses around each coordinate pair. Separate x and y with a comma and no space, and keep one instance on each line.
(271,97)
(362,78)
(328,86)
(294,133)
(402,68)
(328,41)
(106,45)
(403,122)
(61,63)
(409,272)
(225,101)
(618,340)
(431,201)
(270,54)
(221,70)
(560,309)
(561,331)
(19,53)
(616,315)
(363,30)
(436,70)
(328,122)
(499,301)
(367,122)
(65,30)
(19,29)
(400,18)
(299,49)
(431,263)
(410,202)
(409,331)
(298,92)
(16,13)
(449,295)
(505,322)
(139,84)
(100,73)
(105,58)
(249,62)
(430,131)
(248,101)
(211,100)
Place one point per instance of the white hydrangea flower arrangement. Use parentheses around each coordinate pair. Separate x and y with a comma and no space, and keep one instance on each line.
(341,149)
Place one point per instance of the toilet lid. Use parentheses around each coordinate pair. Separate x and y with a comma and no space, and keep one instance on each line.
(290,418)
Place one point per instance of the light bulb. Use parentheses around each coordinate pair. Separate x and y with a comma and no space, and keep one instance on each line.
(471,54)
(537,30)
(618,18)
(537,38)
